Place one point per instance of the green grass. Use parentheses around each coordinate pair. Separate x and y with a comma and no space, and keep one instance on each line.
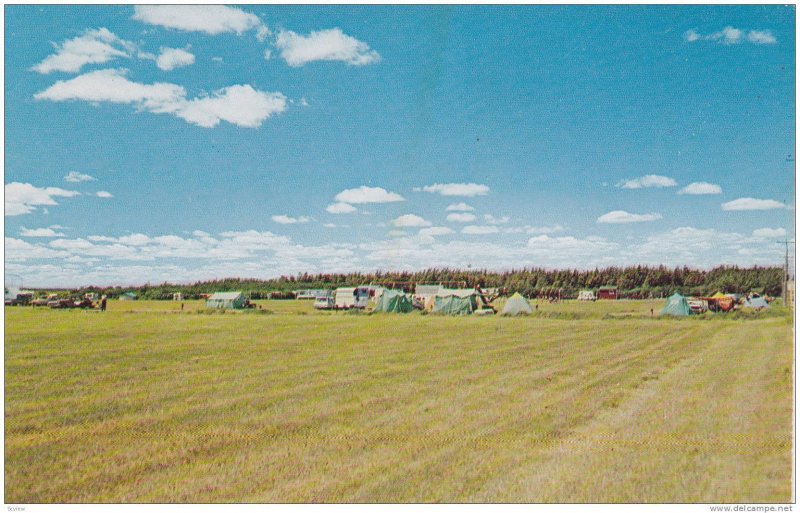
(145,403)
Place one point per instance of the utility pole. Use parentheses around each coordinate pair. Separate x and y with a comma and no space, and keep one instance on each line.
(786,270)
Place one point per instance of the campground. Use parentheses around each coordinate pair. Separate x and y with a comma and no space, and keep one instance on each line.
(579,402)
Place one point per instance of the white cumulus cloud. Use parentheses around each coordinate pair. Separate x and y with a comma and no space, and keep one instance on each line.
(752,204)
(465,217)
(239,105)
(698,188)
(341,208)
(324,45)
(457,189)
(210,19)
(621,217)
(410,221)
(366,194)
(23,198)
(104,194)
(93,47)
(284,219)
(171,58)
(74,176)
(648,181)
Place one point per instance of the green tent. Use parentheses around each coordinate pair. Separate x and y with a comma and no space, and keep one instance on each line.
(226,300)
(455,305)
(517,305)
(676,305)
(393,301)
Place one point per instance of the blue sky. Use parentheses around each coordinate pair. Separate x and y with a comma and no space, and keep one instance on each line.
(185,143)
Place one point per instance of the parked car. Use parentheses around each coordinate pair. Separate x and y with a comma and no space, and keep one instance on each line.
(697,306)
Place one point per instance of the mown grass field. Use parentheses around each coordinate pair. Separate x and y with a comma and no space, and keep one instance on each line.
(590,402)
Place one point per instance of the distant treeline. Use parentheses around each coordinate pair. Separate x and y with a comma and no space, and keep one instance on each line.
(635,282)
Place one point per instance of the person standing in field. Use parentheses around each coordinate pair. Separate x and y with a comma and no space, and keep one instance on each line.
(103,304)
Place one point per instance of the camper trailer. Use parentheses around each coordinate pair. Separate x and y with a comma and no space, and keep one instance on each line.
(351,297)
(324,300)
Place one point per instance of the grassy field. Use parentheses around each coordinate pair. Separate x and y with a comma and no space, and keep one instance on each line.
(594,402)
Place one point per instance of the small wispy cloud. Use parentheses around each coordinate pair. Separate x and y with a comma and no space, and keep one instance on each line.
(341,208)
(479,230)
(410,221)
(700,188)
(752,204)
(647,181)
(74,177)
(459,207)
(731,36)
(93,47)
(622,217)
(104,194)
(464,217)
(171,58)
(490,219)
(39,232)
(768,233)
(366,194)
(284,219)
(456,189)
(435,231)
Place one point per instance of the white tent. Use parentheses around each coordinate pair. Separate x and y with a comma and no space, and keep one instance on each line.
(517,305)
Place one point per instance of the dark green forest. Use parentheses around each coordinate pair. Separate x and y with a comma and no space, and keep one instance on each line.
(634,282)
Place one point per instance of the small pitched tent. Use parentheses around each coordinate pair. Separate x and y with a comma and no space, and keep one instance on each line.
(393,301)
(756,302)
(676,305)
(226,300)
(517,305)
(456,305)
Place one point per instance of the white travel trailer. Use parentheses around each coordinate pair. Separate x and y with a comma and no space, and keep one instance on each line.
(351,297)
(586,295)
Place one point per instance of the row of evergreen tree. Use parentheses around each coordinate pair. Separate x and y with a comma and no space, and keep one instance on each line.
(631,282)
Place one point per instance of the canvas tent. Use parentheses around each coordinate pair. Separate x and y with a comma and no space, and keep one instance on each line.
(456,304)
(756,302)
(720,301)
(393,301)
(676,305)
(226,300)
(517,305)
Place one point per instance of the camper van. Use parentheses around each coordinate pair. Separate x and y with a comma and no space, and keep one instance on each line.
(351,297)
(14,296)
